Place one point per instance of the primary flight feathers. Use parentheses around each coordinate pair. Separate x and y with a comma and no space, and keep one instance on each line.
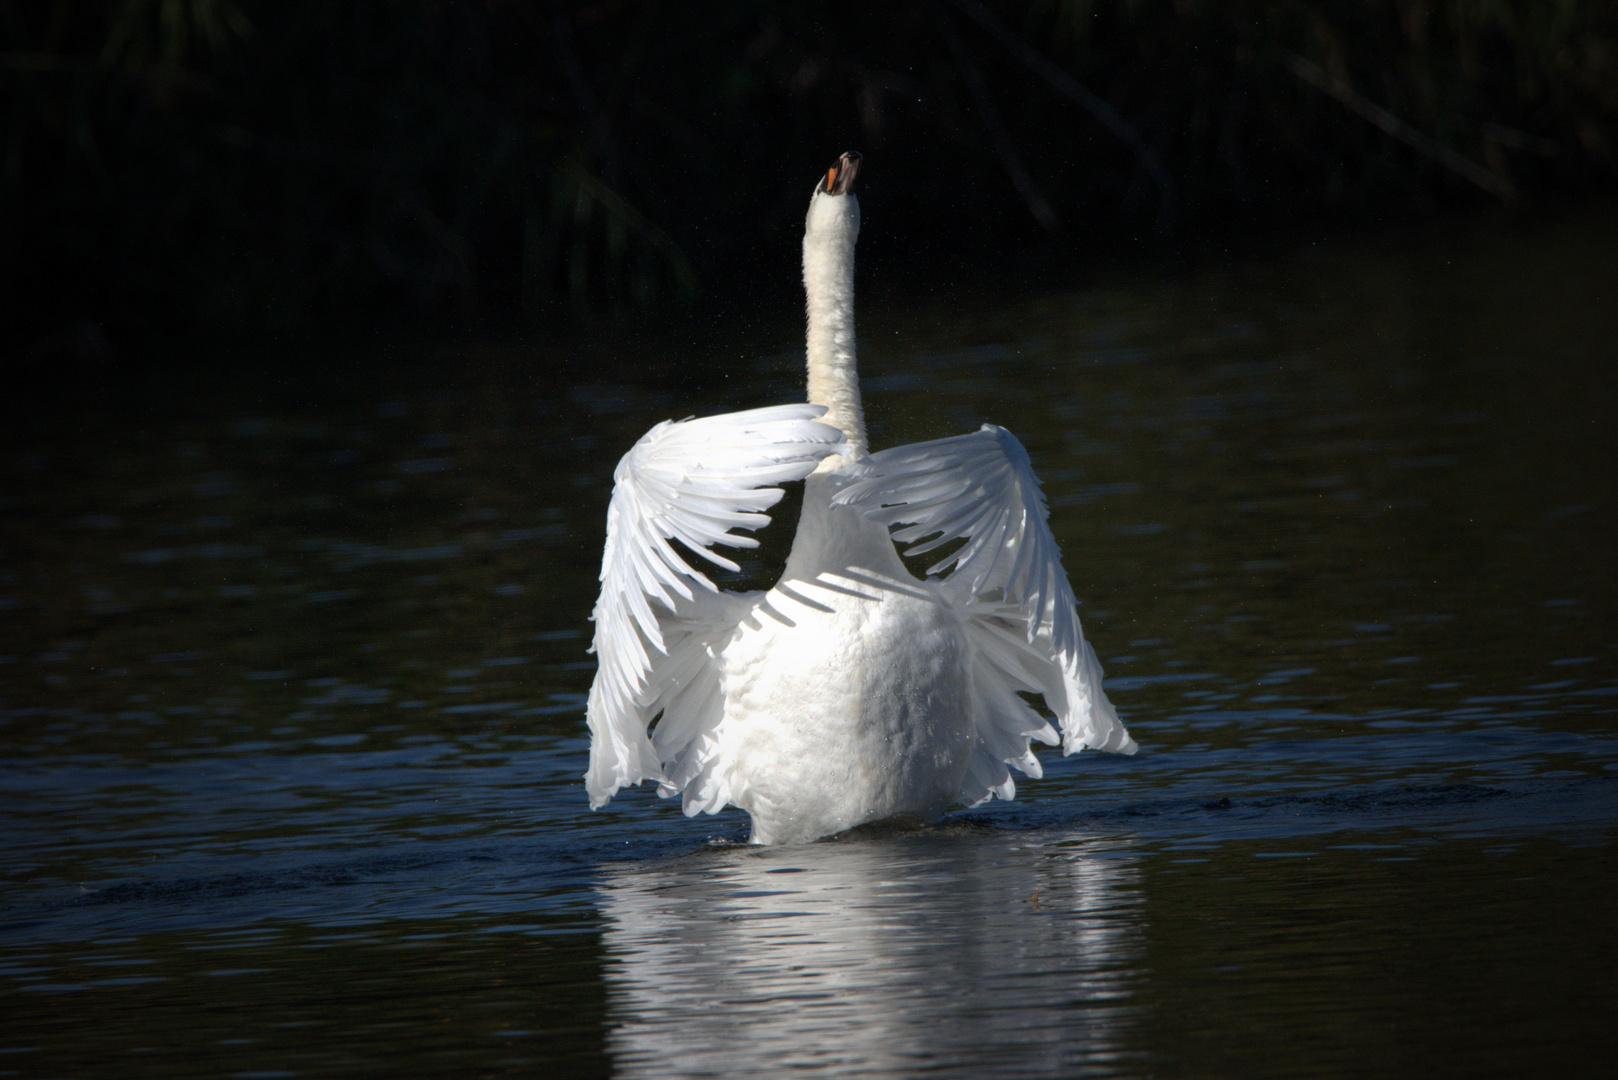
(979,487)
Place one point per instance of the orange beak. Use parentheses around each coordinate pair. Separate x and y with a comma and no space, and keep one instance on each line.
(840,177)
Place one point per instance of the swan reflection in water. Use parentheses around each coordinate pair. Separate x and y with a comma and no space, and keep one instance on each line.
(975,949)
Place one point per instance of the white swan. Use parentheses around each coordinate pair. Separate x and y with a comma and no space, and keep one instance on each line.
(850,692)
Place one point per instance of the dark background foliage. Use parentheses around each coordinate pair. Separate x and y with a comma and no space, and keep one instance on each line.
(246,167)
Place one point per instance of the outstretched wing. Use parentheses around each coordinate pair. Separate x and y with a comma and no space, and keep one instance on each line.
(692,481)
(1008,578)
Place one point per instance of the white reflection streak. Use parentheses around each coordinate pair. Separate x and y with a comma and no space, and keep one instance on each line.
(1003,953)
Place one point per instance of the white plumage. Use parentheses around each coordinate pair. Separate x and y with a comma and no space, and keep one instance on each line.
(850,692)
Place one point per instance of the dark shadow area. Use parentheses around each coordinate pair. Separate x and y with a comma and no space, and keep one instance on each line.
(177,176)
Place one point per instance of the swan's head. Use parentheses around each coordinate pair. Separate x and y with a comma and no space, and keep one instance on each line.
(840,177)
(834,212)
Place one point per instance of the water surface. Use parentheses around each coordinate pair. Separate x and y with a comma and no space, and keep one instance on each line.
(292,668)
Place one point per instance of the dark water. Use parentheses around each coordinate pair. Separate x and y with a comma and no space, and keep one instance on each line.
(292,667)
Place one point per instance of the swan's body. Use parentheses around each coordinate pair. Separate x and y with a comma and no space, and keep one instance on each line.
(845,686)
(850,692)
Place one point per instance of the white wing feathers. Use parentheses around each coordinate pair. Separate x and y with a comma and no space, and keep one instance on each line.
(981,488)
(692,481)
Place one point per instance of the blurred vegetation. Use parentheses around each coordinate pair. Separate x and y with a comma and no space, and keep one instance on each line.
(264,168)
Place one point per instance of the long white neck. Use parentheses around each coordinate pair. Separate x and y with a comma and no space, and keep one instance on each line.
(828,278)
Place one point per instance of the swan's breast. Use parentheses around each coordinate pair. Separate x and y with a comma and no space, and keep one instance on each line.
(845,702)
